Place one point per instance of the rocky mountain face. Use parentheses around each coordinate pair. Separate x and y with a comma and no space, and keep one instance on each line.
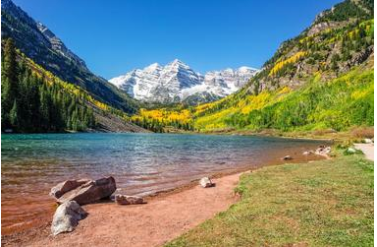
(177,82)
(40,44)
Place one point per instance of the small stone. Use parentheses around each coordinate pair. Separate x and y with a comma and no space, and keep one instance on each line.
(128,200)
(368,141)
(287,157)
(308,152)
(351,150)
(323,150)
(327,150)
(206,182)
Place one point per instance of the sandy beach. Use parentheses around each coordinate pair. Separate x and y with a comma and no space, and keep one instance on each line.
(161,219)
(166,216)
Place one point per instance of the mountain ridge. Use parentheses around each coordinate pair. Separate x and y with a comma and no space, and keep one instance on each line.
(320,80)
(176,81)
(40,44)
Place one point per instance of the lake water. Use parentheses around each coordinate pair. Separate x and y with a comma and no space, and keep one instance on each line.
(141,164)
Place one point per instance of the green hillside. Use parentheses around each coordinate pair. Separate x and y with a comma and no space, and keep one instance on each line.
(42,46)
(321,79)
(35,100)
(317,105)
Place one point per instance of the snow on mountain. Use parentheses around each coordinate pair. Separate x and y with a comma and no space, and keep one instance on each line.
(176,82)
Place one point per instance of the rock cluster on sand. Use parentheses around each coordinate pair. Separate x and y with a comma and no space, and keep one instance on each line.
(206,182)
(83,191)
(128,200)
(67,217)
(71,194)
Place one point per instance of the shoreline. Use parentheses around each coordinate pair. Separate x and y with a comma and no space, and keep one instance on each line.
(159,206)
(43,208)
(42,232)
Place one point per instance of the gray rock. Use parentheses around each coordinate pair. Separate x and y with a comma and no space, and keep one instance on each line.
(67,217)
(287,157)
(68,185)
(323,150)
(90,192)
(128,200)
(206,182)
(351,150)
(368,141)
(308,152)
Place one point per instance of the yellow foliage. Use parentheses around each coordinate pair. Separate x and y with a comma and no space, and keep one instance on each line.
(164,115)
(362,93)
(279,65)
(284,90)
(255,102)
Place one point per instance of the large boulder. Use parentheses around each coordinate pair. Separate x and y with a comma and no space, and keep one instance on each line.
(68,185)
(128,200)
(89,192)
(206,182)
(67,217)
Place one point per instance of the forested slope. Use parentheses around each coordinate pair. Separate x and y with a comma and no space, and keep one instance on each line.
(321,79)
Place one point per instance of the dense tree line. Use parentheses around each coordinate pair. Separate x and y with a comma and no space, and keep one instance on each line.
(159,127)
(30,103)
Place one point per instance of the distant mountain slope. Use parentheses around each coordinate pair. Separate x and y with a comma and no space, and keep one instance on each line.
(339,39)
(321,79)
(177,82)
(34,100)
(47,50)
(307,67)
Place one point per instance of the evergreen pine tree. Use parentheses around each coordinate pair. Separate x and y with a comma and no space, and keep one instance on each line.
(14,117)
(9,82)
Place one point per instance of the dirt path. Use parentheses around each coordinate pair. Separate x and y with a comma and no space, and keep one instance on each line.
(367,149)
(152,224)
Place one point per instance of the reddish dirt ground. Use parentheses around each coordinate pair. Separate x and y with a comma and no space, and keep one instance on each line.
(163,218)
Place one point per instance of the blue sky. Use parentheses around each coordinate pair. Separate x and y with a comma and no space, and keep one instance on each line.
(116,36)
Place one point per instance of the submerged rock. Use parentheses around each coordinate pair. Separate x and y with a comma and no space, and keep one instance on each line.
(128,200)
(206,182)
(84,193)
(67,217)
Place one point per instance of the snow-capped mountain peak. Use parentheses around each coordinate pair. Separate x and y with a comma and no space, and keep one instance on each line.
(153,67)
(176,82)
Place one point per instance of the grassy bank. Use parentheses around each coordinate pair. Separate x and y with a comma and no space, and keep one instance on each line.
(323,203)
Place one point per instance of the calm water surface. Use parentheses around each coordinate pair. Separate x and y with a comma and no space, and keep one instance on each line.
(141,164)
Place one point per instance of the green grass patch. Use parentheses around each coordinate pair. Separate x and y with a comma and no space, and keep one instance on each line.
(323,203)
